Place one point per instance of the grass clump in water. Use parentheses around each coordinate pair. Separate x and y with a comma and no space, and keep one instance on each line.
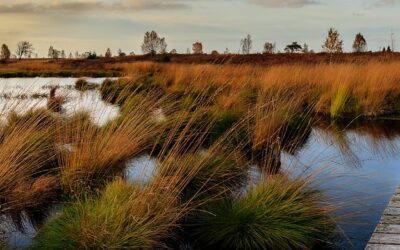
(82,85)
(124,216)
(28,158)
(278,214)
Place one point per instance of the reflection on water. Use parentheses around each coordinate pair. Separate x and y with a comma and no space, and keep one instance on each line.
(16,238)
(358,165)
(21,94)
(141,169)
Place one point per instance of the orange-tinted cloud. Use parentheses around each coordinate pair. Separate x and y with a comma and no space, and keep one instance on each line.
(95,5)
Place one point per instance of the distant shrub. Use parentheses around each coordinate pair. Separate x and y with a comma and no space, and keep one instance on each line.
(91,55)
(163,58)
(214,53)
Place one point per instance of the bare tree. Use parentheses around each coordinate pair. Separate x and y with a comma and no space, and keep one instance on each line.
(63,56)
(269,48)
(246,44)
(51,52)
(5,53)
(359,44)
(392,41)
(108,53)
(152,44)
(70,55)
(306,49)
(24,48)
(197,48)
(333,43)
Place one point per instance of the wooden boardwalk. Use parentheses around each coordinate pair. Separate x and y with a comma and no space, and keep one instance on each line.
(387,233)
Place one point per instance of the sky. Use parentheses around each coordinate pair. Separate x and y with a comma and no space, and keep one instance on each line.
(95,25)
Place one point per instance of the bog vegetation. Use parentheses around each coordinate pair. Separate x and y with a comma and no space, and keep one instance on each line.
(206,126)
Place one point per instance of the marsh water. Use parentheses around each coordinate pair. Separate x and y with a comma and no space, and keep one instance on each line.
(358,167)
(357,164)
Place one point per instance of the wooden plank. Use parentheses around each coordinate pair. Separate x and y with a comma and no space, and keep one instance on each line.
(392,211)
(390,219)
(382,247)
(396,198)
(393,203)
(388,228)
(387,232)
(383,238)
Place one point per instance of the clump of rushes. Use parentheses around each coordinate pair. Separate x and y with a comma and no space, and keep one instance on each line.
(28,156)
(82,85)
(339,101)
(124,216)
(224,121)
(296,131)
(118,91)
(98,154)
(217,172)
(280,213)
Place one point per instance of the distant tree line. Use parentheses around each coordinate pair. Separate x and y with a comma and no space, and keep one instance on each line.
(153,45)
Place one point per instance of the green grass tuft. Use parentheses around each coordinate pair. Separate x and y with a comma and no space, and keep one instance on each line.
(278,214)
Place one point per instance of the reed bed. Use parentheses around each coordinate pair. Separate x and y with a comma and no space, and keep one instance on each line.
(205,125)
(336,90)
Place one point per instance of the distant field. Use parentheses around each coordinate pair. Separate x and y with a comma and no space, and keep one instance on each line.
(106,66)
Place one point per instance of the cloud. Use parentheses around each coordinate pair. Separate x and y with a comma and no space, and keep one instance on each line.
(95,5)
(381,3)
(284,3)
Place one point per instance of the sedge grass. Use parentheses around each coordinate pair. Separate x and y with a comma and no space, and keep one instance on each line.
(278,214)
(27,162)
(123,217)
(107,213)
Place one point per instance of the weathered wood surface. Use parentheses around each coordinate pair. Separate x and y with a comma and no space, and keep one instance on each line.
(387,233)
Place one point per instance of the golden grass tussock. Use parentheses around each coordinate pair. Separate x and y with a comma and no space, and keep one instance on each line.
(28,155)
(335,89)
(96,155)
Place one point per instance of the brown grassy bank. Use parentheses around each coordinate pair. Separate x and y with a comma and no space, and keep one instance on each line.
(101,66)
(339,90)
